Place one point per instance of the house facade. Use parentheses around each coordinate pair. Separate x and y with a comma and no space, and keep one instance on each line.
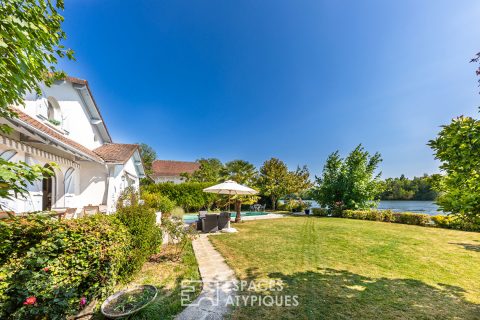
(64,125)
(172,171)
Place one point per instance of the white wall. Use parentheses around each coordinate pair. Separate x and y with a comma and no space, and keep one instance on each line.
(93,183)
(33,202)
(73,114)
(174,179)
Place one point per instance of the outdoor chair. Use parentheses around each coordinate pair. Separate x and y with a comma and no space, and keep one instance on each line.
(210,223)
(201,216)
(223,220)
(70,213)
(91,210)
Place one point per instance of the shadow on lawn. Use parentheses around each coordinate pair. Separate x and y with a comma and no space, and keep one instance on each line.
(468,246)
(334,294)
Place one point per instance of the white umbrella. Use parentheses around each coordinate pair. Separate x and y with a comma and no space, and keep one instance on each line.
(231,188)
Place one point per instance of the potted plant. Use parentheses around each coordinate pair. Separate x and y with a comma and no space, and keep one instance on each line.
(306,207)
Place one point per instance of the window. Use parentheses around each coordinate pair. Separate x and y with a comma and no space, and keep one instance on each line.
(54,114)
(50,111)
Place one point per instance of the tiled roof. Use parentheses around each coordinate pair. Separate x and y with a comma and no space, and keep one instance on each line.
(23,117)
(116,152)
(173,168)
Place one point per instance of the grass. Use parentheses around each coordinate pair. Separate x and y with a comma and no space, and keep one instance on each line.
(353,269)
(166,271)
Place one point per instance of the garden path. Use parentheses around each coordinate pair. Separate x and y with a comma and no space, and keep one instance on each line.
(218,284)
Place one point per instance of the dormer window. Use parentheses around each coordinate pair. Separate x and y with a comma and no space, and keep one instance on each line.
(53,111)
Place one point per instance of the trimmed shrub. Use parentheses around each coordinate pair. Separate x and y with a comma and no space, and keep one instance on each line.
(59,266)
(388,216)
(373,215)
(320,212)
(418,219)
(140,221)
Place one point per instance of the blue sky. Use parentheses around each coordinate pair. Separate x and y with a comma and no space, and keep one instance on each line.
(295,80)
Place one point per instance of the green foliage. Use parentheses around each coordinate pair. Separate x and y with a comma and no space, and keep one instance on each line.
(240,171)
(210,171)
(275,181)
(418,219)
(158,202)
(178,212)
(320,212)
(349,183)
(30,36)
(140,221)
(418,188)
(59,263)
(188,195)
(148,155)
(456,146)
(455,222)
(16,177)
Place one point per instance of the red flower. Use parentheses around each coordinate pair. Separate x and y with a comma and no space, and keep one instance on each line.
(83,301)
(30,300)
(46,269)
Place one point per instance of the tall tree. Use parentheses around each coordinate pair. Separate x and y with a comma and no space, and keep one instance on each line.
(210,171)
(457,147)
(272,180)
(30,46)
(349,183)
(148,155)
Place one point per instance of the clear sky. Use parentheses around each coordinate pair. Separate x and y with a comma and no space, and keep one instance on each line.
(292,79)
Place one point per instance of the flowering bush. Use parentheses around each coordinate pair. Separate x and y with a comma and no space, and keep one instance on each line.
(53,269)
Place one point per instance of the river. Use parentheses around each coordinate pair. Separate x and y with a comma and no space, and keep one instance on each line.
(428,207)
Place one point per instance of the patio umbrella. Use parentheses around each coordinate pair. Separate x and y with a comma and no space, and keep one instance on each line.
(231,188)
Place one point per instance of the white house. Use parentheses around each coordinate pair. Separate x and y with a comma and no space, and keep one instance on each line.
(64,125)
(171,171)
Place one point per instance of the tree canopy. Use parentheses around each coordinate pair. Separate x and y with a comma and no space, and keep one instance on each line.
(210,171)
(403,188)
(349,183)
(30,46)
(275,181)
(457,147)
(148,155)
(240,171)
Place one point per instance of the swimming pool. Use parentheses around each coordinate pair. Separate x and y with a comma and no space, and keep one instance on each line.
(191,218)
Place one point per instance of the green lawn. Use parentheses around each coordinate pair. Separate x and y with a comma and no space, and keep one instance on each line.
(353,269)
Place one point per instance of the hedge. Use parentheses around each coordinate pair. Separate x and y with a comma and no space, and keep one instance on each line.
(52,269)
(419,219)
(188,195)
(454,222)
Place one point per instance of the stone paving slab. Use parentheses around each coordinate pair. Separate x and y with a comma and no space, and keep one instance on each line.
(218,283)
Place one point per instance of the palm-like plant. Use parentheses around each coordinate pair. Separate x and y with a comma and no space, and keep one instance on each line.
(242,172)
